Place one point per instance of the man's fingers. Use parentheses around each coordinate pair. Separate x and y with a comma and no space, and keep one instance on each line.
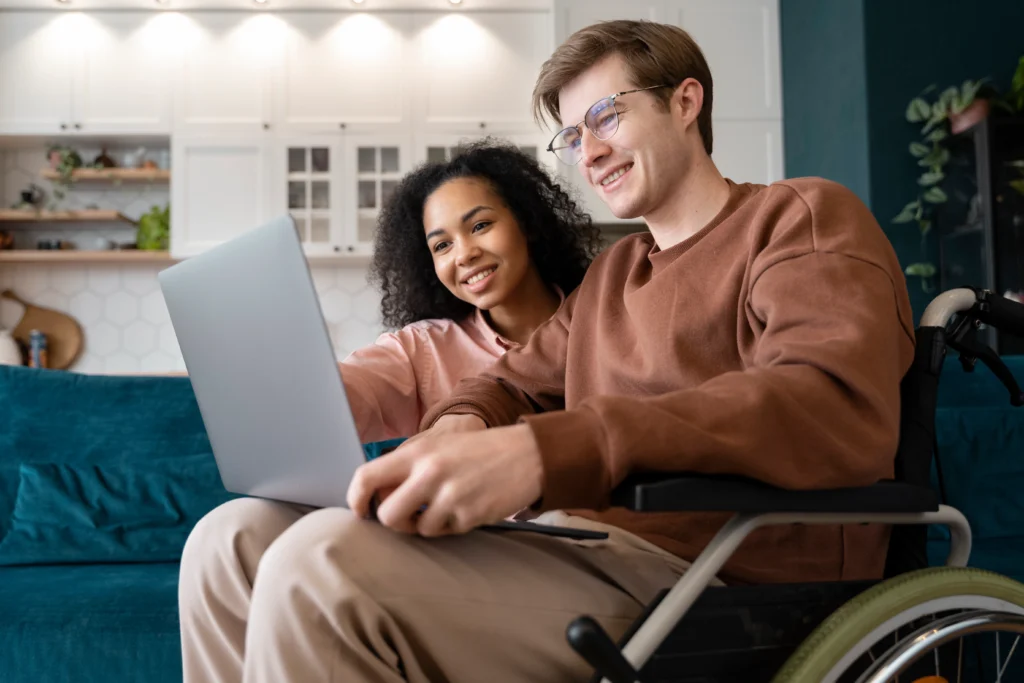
(381,474)
(439,518)
(402,508)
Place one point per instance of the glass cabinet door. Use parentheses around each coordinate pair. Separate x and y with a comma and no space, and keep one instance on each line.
(310,193)
(378,165)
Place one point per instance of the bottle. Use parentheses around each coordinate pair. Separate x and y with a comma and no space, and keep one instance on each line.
(37,349)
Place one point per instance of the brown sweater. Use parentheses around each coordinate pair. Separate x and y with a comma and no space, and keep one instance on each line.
(771,344)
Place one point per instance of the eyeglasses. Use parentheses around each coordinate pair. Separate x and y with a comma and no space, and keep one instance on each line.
(602,120)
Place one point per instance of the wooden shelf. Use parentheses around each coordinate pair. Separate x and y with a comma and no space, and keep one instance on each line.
(84,256)
(84,215)
(131,175)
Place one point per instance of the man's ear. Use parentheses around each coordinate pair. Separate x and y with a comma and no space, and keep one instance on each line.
(688,100)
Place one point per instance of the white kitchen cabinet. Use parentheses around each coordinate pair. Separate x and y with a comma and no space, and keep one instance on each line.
(124,82)
(572,15)
(37,63)
(478,68)
(71,73)
(440,146)
(749,151)
(740,40)
(373,166)
(220,188)
(226,73)
(346,71)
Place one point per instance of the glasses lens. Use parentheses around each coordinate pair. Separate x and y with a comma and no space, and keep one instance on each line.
(602,120)
(566,146)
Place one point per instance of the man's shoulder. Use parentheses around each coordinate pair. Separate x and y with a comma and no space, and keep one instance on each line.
(624,250)
(813,193)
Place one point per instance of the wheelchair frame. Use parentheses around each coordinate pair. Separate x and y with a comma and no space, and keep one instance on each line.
(907,501)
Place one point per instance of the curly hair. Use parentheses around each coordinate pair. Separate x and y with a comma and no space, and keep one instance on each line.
(561,238)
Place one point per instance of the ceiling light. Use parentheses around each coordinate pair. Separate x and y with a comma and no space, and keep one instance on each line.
(358,2)
(261,2)
(63,2)
(455,2)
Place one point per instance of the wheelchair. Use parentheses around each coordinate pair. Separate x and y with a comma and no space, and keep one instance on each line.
(911,626)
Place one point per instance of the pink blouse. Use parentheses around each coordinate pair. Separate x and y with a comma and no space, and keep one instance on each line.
(393,382)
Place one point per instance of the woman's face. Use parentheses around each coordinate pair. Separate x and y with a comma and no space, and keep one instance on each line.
(480,253)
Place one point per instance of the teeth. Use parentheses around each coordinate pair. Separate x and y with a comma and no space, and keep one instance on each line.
(616,175)
(479,276)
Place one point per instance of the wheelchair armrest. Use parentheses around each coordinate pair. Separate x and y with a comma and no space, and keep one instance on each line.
(668,492)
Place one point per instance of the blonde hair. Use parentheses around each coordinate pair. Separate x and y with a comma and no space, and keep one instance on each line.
(654,54)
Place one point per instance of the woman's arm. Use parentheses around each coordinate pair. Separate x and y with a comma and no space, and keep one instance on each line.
(382,388)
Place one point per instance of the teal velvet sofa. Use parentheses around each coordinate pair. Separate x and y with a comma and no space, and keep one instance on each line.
(101,479)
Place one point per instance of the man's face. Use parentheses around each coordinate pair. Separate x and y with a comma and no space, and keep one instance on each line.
(636,169)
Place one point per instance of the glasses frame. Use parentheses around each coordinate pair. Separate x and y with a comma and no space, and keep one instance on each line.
(611,98)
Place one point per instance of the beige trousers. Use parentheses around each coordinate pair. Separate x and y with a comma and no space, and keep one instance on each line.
(278,593)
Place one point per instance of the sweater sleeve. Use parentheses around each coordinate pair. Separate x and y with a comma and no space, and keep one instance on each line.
(380,382)
(818,407)
(527,380)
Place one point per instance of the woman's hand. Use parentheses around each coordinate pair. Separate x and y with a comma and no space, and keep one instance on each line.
(466,476)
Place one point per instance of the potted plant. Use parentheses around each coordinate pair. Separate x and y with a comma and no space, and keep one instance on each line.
(952,111)
(64,160)
(154,231)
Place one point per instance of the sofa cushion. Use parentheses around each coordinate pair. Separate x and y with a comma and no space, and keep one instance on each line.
(138,512)
(64,417)
(90,624)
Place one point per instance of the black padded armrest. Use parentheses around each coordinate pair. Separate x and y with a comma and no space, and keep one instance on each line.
(705,493)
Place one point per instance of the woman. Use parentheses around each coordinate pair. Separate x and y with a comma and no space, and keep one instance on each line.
(471,256)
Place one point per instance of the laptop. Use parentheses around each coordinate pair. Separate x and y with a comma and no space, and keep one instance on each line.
(263,369)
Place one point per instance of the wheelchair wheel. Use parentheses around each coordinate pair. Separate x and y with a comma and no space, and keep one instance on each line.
(916,625)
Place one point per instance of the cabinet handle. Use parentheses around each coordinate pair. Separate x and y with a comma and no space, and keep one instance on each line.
(483,125)
(63,126)
(342,126)
(78,126)
(350,248)
(337,249)
(266,126)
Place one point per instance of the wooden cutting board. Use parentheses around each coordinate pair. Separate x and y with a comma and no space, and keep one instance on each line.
(63,333)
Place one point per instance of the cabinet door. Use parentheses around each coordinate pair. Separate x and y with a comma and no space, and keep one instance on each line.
(219,189)
(308,186)
(374,164)
(749,151)
(740,40)
(37,58)
(124,81)
(479,68)
(348,68)
(572,15)
(226,72)
(434,147)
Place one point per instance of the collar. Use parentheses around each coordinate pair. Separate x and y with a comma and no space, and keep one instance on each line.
(484,325)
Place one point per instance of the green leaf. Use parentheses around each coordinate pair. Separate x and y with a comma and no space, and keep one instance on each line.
(937,135)
(1017,185)
(921,270)
(918,110)
(936,159)
(930,178)
(935,195)
(925,227)
(957,105)
(907,214)
(946,99)
(919,149)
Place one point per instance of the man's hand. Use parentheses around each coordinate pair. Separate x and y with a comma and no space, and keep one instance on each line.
(464,476)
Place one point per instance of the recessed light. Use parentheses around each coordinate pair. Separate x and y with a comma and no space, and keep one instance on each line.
(357,2)
(63,2)
(455,2)
(260,2)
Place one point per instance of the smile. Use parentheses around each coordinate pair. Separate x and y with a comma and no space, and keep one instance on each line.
(480,276)
(612,177)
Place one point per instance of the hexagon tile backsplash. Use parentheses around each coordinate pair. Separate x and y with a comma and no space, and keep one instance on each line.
(125,321)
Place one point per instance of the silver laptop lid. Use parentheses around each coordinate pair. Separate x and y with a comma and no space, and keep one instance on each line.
(257,350)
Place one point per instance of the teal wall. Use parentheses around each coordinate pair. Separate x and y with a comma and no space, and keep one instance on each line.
(911,44)
(824,94)
(849,68)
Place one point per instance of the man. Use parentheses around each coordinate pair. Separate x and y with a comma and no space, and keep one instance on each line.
(760,331)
